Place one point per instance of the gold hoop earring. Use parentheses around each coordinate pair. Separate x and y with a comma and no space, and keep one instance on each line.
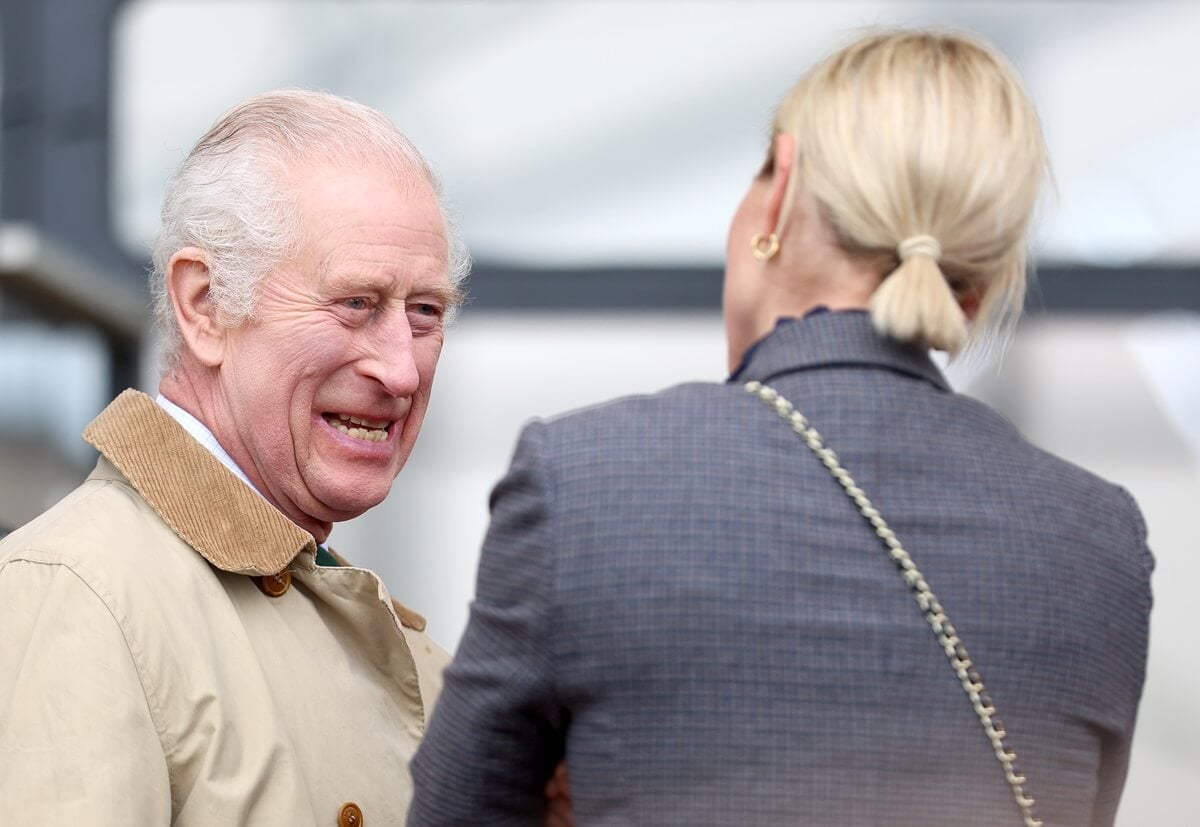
(764,249)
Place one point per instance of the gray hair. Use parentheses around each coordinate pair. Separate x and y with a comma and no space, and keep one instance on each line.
(230,196)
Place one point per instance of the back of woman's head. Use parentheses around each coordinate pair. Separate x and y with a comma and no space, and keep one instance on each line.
(924,152)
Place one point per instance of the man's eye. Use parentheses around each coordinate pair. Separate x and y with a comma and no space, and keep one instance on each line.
(423,309)
(357,303)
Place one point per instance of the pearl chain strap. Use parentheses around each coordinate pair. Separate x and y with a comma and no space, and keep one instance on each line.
(935,615)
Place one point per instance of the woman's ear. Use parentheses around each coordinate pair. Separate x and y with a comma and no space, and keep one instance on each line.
(784,152)
(188,282)
(969,302)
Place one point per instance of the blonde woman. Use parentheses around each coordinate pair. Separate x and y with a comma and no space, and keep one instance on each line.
(830,591)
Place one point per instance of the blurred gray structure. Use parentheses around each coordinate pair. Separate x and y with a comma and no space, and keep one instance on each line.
(54,174)
(71,300)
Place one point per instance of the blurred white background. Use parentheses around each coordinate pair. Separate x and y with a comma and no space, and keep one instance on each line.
(577,134)
(624,130)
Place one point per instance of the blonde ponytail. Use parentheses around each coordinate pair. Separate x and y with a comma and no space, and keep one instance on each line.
(923,146)
(915,302)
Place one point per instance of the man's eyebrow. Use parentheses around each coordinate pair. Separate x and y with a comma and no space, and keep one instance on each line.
(355,280)
(448,295)
(445,294)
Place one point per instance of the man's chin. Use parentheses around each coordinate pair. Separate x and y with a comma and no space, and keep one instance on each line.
(340,509)
(347,500)
(336,491)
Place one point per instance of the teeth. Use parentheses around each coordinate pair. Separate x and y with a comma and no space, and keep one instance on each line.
(369,434)
(368,423)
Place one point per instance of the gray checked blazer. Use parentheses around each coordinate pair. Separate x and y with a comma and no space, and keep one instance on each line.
(675,595)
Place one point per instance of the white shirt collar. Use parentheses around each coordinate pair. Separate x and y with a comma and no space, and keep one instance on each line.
(205,437)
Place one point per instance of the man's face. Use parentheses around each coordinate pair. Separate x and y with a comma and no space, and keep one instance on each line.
(322,393)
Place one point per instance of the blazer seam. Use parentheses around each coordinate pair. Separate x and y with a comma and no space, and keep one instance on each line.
(546,471)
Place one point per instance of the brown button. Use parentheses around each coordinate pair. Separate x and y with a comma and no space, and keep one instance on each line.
(275,585)
(350,816)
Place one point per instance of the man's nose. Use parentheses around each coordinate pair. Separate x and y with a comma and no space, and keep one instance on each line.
(391,361)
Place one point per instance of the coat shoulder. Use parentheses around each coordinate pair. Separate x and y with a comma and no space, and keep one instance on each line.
(104,531)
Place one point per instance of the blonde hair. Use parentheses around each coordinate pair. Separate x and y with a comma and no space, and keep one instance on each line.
(923,150)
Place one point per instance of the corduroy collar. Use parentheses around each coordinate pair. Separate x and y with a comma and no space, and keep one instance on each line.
(202,501)
(837,338)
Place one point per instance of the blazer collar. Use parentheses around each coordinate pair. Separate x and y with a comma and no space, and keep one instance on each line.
(834,338)
(210,509)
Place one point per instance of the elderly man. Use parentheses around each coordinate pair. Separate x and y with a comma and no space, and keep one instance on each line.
(178,647)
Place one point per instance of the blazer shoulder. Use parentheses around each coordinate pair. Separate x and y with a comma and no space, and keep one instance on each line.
(1077,484)
(996,433)
(1077,500)
(673,401)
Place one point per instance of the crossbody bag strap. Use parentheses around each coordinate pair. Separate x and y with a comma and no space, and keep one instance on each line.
(931,608)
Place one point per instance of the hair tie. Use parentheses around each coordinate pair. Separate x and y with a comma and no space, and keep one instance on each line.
(919,245)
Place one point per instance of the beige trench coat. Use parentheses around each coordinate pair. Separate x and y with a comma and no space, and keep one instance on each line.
(153,672)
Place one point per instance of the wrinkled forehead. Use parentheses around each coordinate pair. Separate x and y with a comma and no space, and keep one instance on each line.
(363,183)
(369,217)
(409,175)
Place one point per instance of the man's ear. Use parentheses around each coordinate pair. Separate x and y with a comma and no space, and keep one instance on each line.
(188,281)
(784,149)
